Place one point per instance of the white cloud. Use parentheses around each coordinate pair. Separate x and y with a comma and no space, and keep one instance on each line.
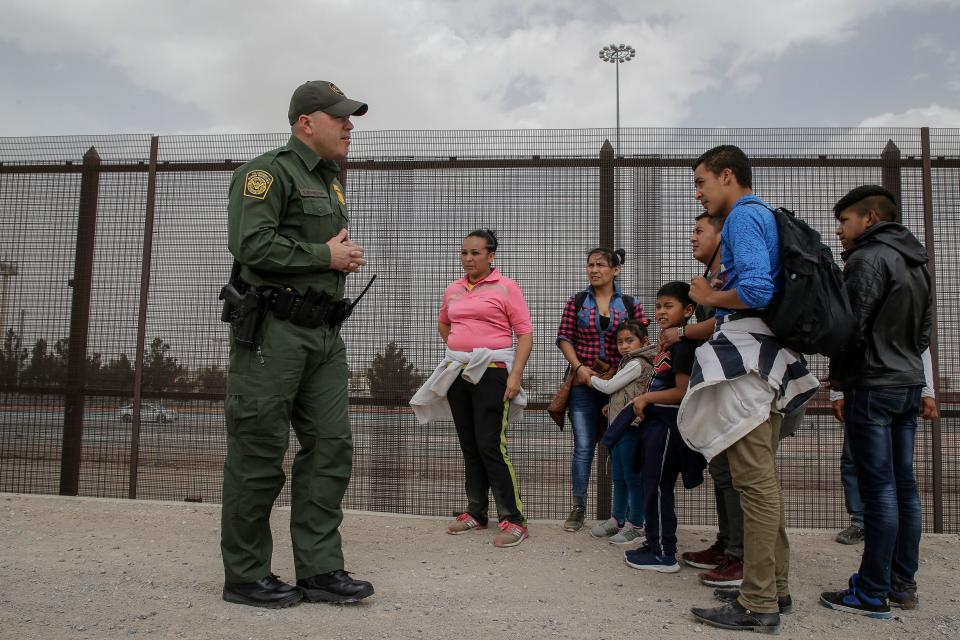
(932,116)
(432,63)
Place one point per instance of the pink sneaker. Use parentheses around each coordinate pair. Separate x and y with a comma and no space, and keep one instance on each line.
(510,535)
(464,523)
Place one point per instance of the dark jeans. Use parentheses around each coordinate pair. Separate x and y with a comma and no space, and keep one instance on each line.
(480,415)
(661,454)
(586,416)
(881,425)
(851,488)
(729,511)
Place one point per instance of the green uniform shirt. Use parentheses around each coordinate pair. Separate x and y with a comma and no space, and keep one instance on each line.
(284,206)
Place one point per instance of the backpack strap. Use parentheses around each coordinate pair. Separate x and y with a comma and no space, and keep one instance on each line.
(578,300)
(628,302)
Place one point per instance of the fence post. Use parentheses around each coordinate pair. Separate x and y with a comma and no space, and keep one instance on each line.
(145,263)
(73,402)
(936,435)
(607,224)
(890,170)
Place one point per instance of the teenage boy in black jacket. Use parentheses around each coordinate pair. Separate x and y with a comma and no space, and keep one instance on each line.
(881,376)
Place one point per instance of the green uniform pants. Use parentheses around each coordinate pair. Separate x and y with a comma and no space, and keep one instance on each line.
(301,381)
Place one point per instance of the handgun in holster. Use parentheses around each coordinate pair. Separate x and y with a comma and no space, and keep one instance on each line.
(242,308)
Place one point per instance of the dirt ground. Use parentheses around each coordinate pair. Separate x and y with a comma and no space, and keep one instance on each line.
(98,568)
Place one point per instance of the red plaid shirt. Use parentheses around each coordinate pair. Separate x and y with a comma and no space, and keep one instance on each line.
(582,329)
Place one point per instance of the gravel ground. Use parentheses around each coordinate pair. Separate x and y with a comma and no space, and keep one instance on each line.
(90,568)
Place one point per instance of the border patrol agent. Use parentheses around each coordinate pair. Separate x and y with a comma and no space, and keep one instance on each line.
(287,231)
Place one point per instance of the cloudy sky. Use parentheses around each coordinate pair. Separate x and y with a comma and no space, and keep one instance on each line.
(211,66)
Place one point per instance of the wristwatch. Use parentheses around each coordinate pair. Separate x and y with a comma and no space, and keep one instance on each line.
(680,331)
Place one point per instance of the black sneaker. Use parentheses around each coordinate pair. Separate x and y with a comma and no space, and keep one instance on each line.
(851,535)
(335,586)
(735,616)
(574,521)
(270,592)
(903,595)
(853,600)
(730,595)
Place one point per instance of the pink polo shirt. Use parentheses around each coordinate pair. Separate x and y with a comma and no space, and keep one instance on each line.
(485,316)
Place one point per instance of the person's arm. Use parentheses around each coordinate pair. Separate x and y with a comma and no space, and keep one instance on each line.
(928,401)
(518,313)
(927,374)
(253,221)
(581,371)
(696,331)
(666,396)
(524,348)
(744,233)
(866,283)
(444,331)
(630,372)
(703,293)
(836,403)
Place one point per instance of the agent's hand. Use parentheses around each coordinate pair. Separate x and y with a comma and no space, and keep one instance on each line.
(838,409)
(513,387)
(928,408)
(668,337)
(345,254)
(605,409)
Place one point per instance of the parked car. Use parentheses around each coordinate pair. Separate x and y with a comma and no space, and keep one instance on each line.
(149,412)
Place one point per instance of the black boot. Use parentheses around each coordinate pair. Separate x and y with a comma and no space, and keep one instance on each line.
(735,616)
(270,592)
(730,595)
(335,586)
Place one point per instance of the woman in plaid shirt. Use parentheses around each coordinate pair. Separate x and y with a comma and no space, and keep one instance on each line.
(586,334)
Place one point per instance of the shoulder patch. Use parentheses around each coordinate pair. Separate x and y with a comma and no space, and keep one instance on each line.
(257,184)
(339,192)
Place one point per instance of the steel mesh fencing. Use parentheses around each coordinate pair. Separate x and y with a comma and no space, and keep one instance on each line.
(550,194)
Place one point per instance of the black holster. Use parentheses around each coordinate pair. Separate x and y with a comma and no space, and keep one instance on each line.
(243,308)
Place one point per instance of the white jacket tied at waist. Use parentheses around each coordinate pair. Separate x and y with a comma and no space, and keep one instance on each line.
(741,374)
(430,401)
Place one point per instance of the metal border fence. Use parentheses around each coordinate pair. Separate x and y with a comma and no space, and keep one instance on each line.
(112,250)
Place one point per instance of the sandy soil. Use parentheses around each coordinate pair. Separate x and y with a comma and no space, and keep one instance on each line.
(97,568)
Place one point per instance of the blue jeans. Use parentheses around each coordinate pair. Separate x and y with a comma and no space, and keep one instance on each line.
(851,488)
(627,483)
(586,416)
(881,425)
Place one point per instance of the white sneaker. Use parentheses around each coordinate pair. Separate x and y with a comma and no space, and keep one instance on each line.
(627,535)
(605,529)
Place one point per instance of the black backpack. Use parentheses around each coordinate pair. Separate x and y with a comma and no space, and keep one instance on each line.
(811,313)
(581,296)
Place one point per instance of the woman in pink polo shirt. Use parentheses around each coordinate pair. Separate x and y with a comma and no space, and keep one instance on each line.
(479,316)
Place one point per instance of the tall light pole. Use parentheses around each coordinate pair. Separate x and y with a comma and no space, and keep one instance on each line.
(617,53)
(7,271)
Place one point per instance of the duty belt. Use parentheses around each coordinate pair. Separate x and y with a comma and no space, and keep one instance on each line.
(312,309)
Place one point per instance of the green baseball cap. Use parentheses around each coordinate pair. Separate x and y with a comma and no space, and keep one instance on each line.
(320,95)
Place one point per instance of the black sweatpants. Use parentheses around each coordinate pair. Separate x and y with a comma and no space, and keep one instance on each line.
(480,415)
(660,449)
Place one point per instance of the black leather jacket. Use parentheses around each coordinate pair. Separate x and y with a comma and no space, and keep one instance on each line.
(889,286)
